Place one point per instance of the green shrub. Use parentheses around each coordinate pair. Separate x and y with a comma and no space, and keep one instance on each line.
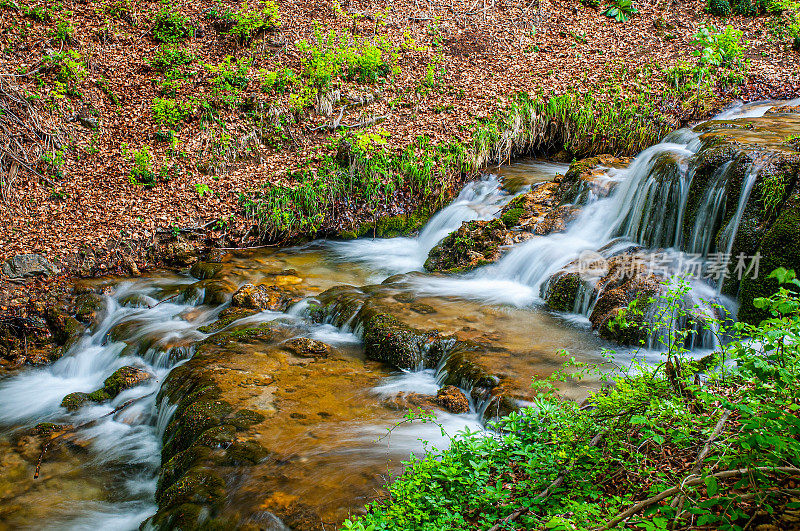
(169,112)
(591,3)
(331,56)
(719,48)
(64,32)
(170,26)
(719,8)
(279,80)
(230,78)
(170,56)
(142,172)
(249,21)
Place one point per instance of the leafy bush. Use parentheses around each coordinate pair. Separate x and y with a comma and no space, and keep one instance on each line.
(170,26)
(331,56)
(610,455)
(279,80)
(230,78)
(168,112)
(620,10)
(64,32)
(142,171)
(719,48)
(251,21)
(170,56)
(719,8)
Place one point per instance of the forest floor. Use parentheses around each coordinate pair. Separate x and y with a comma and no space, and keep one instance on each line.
(81,76)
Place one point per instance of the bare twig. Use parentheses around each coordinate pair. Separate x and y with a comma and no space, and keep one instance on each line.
(691,481)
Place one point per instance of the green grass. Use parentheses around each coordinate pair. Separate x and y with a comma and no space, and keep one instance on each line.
(364,174)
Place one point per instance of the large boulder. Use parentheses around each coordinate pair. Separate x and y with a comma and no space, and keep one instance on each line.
(28,265)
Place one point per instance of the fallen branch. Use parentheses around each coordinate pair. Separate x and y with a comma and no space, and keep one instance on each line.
(689,482)
(546,492)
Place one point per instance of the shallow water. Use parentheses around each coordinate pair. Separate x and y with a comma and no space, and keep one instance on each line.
(329,418)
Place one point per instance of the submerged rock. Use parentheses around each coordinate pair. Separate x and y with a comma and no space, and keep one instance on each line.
(307,348)
(28,265)
(205,270)
(274,298)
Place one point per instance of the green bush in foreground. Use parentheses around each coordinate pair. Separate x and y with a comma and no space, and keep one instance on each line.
(642,439)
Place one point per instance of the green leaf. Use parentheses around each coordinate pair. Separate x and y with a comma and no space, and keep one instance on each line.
(711,485)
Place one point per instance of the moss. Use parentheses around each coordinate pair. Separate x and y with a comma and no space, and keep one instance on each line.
(388,340)
(562,293)
(88,306)
(74,401)
(200,487)
(178,465)
(99,396)
(192,421)
(779,248)
(511,216)
(389,227)
(205,270)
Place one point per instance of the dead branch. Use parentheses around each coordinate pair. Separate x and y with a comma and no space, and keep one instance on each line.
(692,481)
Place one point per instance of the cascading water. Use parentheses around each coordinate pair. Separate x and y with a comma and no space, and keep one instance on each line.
(123,445)
(481,199)
(143,326)
(647,208)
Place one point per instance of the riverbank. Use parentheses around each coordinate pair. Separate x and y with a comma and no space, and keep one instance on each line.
(679,445)
(149,130)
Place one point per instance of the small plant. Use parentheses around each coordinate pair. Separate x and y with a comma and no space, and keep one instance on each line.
(279,81)
(252,20)
(620,10)
(141,172)
(170,26)
(591,3)
(719,48)
(64,32)
(202,189)
(331,56)
(230,79)
(170,56)
(168,112)
(719,8)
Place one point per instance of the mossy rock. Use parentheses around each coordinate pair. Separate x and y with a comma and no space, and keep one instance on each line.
(779,248)
(388,227)
(64,327)
(124,378)
(205,270)
(75,401)
(472,245)
(388,340)
(135,300)
(217,292)
(228,316)
(562,292)
(88,306)
(197,487)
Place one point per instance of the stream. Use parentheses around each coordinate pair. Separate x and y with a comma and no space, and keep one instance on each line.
(329,422)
